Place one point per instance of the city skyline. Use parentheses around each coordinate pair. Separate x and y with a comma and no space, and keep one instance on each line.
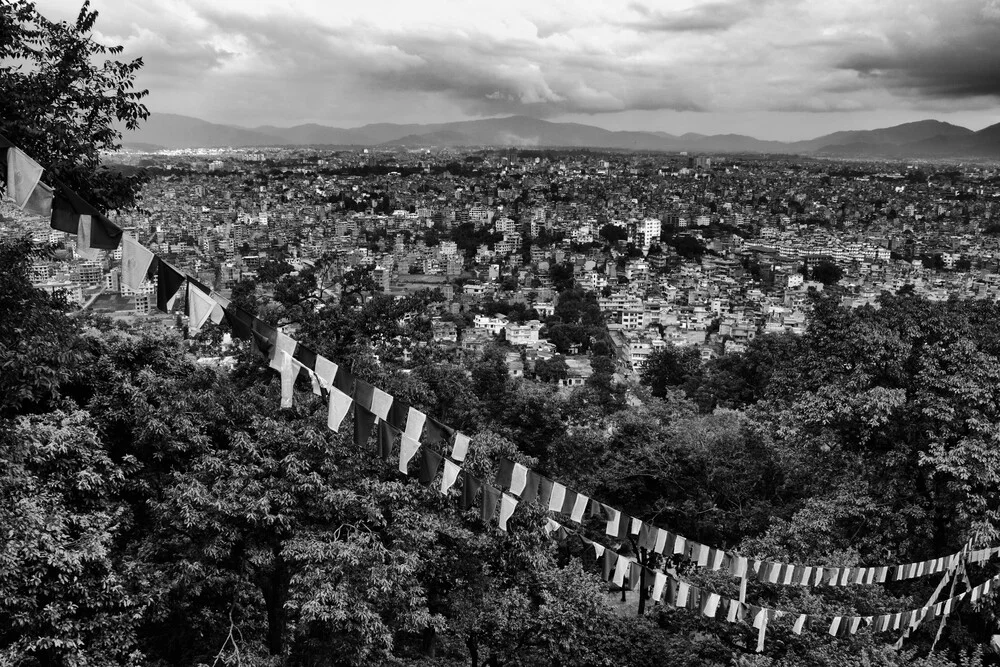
(779,69)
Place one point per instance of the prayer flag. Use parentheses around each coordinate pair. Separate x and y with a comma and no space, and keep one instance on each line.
(507,506)
(340,403)
(461,448)
(23,175)
(407,449)
(200,304)
(326,371)
(381,402)
(430,463)
(415,424)
(470,489)
(450,475)
(491,498)
(283,343)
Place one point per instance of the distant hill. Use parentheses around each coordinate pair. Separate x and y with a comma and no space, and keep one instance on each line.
(927,138)
(898,135)
(176,131)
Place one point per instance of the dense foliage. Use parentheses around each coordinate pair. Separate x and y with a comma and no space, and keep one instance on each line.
(162,511)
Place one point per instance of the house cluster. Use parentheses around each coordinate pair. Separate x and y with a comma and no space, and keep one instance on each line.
(678,251)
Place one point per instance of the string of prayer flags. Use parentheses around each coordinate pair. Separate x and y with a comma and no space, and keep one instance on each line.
(620,525)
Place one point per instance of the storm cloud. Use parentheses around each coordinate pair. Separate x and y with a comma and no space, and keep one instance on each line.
(350,63)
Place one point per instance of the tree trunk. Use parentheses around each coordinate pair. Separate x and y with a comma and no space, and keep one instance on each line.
(472,642)
(275,590)
(429,641)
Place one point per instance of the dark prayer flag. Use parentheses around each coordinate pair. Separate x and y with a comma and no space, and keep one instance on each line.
(168,282)
(363,393)
(491,498)
(544,491)
(397,414)
(608,566)
(67,207)
(364,422)
(569,502)
(437,432)
(240,321)
(530,488)
(305,356)
(387,435)
(470,489)
(430,462)
(644,540)
(344,381)
(265,337)
(506,472)
(634,576)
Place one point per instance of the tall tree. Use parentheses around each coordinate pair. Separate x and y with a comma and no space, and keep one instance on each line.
(65,98)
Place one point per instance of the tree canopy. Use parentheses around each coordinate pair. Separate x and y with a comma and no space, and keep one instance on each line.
(66,98)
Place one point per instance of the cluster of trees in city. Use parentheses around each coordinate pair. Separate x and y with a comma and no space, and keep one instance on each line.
(160,509)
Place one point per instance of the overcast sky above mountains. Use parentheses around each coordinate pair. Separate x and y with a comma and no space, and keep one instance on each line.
(775,69)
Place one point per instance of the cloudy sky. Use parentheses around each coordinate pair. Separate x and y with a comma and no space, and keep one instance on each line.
(776,69)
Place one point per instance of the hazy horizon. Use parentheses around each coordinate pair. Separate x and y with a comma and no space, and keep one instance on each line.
(775,70)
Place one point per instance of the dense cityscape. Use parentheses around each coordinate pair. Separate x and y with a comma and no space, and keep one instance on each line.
(704,252)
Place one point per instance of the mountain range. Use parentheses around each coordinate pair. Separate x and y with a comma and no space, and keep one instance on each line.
(927,138)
